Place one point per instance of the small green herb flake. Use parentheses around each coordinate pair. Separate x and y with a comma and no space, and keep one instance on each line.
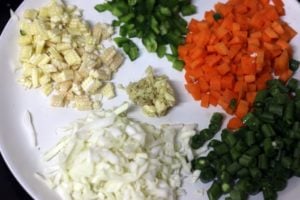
(217,16)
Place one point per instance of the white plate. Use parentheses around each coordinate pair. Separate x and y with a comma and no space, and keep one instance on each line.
(24,160)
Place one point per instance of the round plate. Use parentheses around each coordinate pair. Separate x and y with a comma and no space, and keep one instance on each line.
(24,159)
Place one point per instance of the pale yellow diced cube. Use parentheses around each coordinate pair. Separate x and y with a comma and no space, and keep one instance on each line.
(47,89)
(76,89)
(63,46)
(97,32)
(25,40)
(48,68)
(43,12)
(58,100)
(26,52)
(108,90)
(45,79)
(83,103)
(118,59)
(71,57)
(54,54)
(35,59)
(45,59)
(35,77)
(39,45)
(107,55)
(65,75)
(90,85)
(65,86)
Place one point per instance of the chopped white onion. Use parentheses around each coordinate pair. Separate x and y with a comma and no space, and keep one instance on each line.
(109,156)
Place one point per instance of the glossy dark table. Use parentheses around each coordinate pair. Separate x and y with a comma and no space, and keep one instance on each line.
(9,186)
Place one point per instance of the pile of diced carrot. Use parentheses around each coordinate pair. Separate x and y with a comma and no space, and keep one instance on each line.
(234,51)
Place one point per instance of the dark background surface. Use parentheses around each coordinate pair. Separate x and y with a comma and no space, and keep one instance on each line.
(9,186)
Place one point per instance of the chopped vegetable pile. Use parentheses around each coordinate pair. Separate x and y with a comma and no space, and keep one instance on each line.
(109,156)
(234,51)
(260,156)
(157,22)
(60,52)
(153,93)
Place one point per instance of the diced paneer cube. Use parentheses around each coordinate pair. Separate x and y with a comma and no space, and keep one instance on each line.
(26,52)
(90,85)
(65,75)
(54,54)
(108,90)
(58,100)
(35,77)
(47,89)
(45,79)
(25,40)
(76,89)
(63,46)
(83,103)
(45,59)
(97,32)
(39,46)
(71,57)
(107,55)
(65,86)
(35,59)
(117,62)
(48,68)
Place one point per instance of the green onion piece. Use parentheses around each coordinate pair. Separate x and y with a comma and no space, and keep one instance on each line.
(286,162)
(276,109)
(233,168)
(235,154)
(249,138)
(214,192)
(221,149)
(165,11)
(217,16)
(188,10)
(246,160)
(102,7)
(228,137)
(267,130)
(251,121)
(237,195)
(293,84)
(226,187)
(294,65)
(161,51)
(178,65)
(132,2)
(288,115)
(207,174)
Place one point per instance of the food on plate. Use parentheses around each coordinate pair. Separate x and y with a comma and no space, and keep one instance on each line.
(154,94)
(110,156)
(199,139)
(64,56)
(159,24)
(262,155)
(231,54)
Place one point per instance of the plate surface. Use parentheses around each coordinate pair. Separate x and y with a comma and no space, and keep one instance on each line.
(24,159)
